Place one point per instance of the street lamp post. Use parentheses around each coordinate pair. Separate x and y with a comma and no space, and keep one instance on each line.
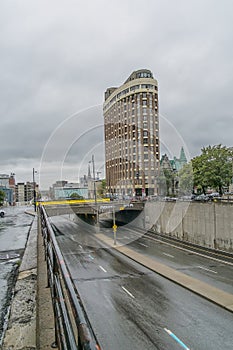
(114,225)
(34,188)
(96,207)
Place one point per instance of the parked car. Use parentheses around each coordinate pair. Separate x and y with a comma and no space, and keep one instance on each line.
(169,199)
(202,198)
(185,198)
(214,195)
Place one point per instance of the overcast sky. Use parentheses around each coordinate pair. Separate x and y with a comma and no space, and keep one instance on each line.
(58,58)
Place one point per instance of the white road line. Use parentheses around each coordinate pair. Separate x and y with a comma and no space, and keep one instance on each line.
(144,245)
(80,246)
(101,267)
(176,339)
(126,290)
(191,251)
(72,238)
(205,268)
(91,257)
(170,256)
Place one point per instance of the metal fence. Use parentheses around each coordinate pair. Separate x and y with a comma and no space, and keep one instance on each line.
(72,330)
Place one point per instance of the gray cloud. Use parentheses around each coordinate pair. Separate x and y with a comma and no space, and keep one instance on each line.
(58,57)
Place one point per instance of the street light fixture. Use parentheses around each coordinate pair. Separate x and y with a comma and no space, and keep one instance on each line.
(34,187)
(96,205)
(114,225)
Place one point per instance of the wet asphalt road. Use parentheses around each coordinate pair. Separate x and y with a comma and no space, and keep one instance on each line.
(131,307)
(212,271)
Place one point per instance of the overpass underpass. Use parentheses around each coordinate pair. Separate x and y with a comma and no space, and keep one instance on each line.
(102,213)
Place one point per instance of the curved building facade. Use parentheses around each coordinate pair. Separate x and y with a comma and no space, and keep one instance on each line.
(131,124)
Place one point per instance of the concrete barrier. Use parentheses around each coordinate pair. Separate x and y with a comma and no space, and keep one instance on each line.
(207,224)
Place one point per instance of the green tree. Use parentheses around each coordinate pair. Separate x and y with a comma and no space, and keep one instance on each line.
(213,168)
(186,179)
(169,176)
(75,195)
(2,197)
(166,182)
(161,180)
(101,190)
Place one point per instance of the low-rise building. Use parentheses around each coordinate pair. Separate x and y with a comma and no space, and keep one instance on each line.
(169,173)
(24,192)
(72,192)
(7,185)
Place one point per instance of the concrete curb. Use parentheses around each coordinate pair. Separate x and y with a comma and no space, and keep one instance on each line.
(203,289)
(45,334)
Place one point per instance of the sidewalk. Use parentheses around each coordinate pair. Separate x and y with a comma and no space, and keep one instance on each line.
(21,328)
(45,319)
(31,323)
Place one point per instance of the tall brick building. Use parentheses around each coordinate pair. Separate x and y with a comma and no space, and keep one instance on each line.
(132,135)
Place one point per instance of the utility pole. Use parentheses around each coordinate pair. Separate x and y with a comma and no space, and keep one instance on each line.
(96,207)
(114,225)
(93,165)
(34,188)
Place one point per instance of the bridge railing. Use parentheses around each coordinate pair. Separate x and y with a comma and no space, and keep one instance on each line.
(72,330)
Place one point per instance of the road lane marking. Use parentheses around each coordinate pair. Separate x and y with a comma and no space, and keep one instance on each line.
(126,290)
(170,256)
(144,245)
(72,238)
(191,251)
(205,268)
(101,267)
(91,257)
(176,339)
(80,246)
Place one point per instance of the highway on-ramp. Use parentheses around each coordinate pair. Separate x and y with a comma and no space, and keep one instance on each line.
(130,306)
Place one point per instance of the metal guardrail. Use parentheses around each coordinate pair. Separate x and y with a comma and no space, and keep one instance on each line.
(72,331)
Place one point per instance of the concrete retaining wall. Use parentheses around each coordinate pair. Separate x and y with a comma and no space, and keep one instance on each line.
(206,224)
